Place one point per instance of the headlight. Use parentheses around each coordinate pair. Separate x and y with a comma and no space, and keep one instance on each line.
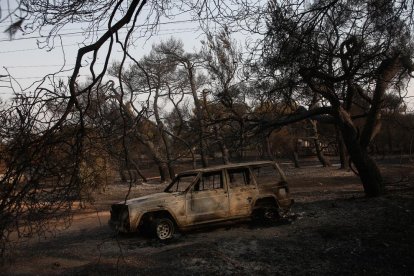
(282,192)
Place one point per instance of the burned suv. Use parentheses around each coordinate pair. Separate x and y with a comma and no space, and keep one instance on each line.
(209,195)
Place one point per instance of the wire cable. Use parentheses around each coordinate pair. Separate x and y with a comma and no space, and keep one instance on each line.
(83,31)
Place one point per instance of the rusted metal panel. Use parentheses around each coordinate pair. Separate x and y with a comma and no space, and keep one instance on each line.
(212,194)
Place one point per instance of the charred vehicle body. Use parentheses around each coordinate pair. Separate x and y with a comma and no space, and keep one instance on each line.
(204,196)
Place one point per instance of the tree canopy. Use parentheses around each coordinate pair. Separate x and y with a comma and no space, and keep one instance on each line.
(345,62)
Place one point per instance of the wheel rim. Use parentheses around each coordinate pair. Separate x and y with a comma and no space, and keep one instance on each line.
(269,214)
(164,230)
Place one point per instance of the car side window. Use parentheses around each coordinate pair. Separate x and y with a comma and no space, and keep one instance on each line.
(266,174)
(209,181)
(181,183)
(239,177)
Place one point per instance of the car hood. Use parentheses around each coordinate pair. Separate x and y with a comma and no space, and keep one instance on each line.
(158,197)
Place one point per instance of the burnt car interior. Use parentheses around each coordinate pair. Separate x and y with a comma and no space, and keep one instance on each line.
(239,177)
(266,175)
(181,183)
(209,181)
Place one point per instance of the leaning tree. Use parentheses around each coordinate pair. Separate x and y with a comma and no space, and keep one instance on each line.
(341,50)
(44,132)
(350,54)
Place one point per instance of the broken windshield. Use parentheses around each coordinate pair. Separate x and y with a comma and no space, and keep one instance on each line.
(181,183)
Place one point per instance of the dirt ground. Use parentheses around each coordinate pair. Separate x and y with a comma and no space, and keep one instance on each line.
(333,229)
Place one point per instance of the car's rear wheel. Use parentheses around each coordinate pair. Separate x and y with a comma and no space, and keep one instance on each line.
(270,214)
(163,228)
(265,214)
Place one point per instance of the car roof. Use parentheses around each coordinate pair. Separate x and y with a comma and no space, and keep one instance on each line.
(231,165)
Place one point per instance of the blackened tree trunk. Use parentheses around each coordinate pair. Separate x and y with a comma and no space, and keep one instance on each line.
(368,170)
(223,148)
(295,153)
(295,159)
(135,167)
(164,172)
(198,112)
(217,132)
(343,154)
(122,173)
(268,148)
(162,133)
(171,170)
(319,153)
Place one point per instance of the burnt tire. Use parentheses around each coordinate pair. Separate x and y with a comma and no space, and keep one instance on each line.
(163,228)
(266,215)
(270,214)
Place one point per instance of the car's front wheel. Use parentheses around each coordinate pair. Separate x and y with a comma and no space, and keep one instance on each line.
(163,228)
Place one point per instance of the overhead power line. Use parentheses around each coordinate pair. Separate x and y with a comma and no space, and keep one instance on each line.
(76,44)
(83,32)
(43,65)
(53,76)
(34,49)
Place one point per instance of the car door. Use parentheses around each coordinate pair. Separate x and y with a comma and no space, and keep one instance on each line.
(207,200)
(242,190)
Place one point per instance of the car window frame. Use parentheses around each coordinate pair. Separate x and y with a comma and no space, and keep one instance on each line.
(252,184)
(223,180)
(281,177)
(197,176)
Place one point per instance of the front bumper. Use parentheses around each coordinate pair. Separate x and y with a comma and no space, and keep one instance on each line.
(119,220)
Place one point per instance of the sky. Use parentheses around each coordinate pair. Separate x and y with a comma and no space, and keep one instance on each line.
(26,63)
(23,58)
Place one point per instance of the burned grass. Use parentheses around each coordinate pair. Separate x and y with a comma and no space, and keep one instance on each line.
(333,229)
